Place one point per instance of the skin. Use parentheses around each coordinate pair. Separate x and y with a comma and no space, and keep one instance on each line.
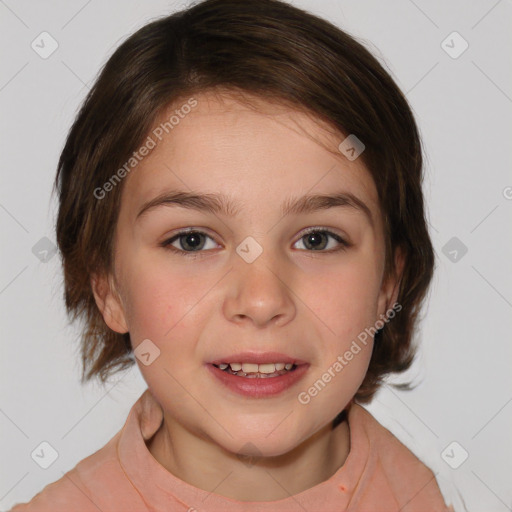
(310,304)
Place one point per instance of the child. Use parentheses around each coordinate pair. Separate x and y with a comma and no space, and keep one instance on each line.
(241,214)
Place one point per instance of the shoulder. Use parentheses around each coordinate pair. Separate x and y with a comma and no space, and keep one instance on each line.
(411,482)
(58,496)
(95,483)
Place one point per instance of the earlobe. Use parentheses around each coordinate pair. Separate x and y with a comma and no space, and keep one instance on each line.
(109,302)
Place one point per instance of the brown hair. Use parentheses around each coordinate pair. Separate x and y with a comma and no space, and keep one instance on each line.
(273,51)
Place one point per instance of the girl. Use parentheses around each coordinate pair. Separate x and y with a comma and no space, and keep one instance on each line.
(241,215)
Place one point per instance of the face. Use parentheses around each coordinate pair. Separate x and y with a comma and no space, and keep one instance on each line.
(257,284)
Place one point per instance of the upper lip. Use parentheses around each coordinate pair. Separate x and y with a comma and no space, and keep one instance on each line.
(258,358)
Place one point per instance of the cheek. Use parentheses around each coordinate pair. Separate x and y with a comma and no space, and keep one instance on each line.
(345,301)
(164,309)
(158,299)
(345,298)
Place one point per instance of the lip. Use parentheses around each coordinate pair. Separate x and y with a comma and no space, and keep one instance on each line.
(257,387)
(258,358)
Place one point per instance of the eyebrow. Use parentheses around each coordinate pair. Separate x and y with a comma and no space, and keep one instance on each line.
(222,204)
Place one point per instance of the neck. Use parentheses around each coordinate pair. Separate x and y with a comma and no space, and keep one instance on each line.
(262,479)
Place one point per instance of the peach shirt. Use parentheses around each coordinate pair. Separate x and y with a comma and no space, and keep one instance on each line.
(379,475)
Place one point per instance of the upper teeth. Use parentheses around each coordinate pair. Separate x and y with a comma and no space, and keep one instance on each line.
(257,368)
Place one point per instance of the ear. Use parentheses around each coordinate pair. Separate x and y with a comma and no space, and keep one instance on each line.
(389,290)
(109,302)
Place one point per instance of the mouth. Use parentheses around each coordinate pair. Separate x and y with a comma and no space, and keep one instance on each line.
(258,375)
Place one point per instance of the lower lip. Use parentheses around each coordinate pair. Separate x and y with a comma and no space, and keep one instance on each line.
(256,387)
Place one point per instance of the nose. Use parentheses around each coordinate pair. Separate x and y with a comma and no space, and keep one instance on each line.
(258,293)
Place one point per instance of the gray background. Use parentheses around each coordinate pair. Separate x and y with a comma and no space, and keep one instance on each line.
(463,106)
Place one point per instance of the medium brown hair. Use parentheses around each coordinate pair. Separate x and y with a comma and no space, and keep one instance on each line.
(273,51)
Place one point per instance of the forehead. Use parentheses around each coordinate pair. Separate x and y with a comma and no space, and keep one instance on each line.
(261,151)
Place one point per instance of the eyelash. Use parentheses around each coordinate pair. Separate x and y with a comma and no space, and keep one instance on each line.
(198,254)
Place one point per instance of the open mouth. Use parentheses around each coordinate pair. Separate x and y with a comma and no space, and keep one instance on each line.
(258,378)
(257,371)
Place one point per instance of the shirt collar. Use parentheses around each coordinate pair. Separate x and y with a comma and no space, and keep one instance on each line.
(159,488)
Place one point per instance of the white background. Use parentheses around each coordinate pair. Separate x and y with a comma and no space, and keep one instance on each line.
(464,110)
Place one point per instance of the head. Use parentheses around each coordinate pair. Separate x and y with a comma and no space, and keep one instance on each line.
(247,102)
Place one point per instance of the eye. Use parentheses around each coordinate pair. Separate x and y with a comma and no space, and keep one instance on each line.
(191,243)
(188,242)
(317,239)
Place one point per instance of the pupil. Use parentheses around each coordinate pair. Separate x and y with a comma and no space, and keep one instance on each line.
(313,238)
(196,241)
